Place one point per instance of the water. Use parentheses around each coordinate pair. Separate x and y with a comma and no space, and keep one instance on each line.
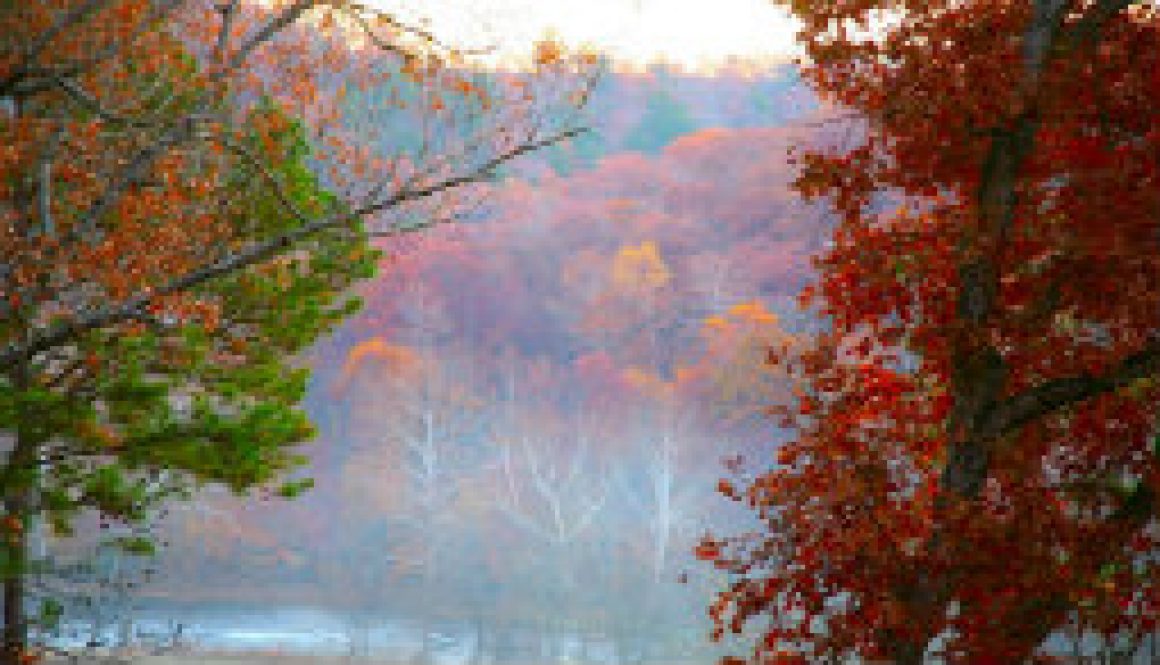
(307,631)
(290,629)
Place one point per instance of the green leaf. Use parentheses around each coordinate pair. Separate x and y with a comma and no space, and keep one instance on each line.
(136,545)
(293,489)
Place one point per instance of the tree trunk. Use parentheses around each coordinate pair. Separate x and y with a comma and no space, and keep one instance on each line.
(504,646)
(477,654)
(17,489)
(15,622)
(15,631)
(908,653)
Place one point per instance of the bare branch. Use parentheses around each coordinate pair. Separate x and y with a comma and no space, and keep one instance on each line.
(228,11)
(265,34)
(480,174)
(378,41)
(358,10)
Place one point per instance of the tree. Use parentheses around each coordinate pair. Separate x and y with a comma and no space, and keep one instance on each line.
(665,119)
(113,422)
(535,298)
(167,246)
(739,383)
(550,490)
(975,458)
(425,428)
(636,312)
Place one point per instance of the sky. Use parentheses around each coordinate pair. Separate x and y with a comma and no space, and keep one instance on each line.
(692,33)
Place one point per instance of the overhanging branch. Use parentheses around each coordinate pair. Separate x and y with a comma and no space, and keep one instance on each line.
(255,253)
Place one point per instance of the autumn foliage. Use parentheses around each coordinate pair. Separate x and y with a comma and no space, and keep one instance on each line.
(975,462)
(187,190)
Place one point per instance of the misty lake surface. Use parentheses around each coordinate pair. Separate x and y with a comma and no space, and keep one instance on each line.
(304,630)
(293,630)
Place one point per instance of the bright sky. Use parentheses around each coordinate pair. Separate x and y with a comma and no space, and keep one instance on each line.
(693,33)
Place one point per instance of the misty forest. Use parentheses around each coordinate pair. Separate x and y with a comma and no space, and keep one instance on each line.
(516,333)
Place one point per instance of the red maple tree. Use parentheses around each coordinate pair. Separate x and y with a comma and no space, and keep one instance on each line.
(974,462)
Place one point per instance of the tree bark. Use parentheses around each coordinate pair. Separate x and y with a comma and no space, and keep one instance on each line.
(981,414)
(908,654)
(15,622)
(17,495)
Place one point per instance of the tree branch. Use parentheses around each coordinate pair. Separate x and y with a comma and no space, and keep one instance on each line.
(138,169)
(228,10)
(77,14)
(1089,27)
(980,374)
(273,182)
(359,11)
(1019,410)
(78,94)
(26,79)
(255,253)
(267,32)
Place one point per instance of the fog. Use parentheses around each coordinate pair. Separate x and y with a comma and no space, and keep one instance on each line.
(520,436)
